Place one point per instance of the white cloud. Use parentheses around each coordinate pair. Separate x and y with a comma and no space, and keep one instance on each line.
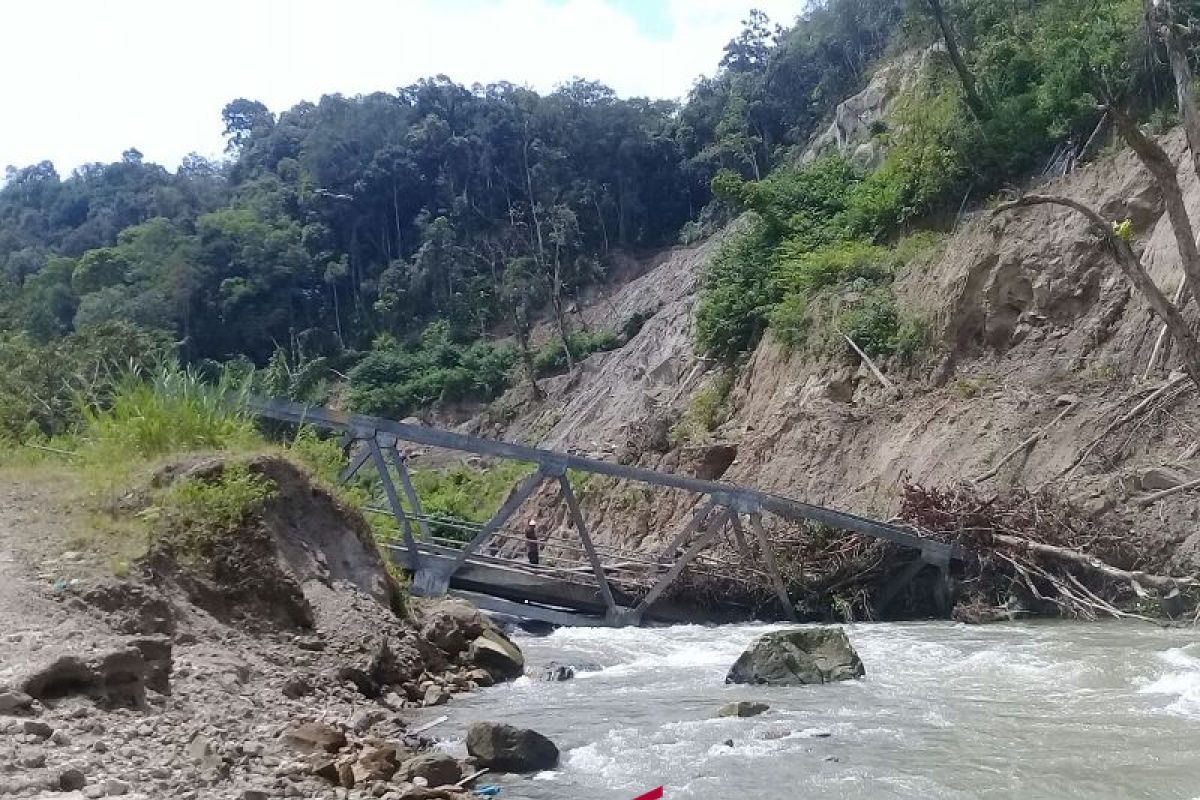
(85,80)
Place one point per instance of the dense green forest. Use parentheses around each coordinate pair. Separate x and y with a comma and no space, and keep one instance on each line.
(395,243)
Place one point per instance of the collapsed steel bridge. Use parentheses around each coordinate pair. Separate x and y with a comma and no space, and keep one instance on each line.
(608,586)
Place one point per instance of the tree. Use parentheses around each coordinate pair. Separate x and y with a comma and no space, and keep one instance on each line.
(244,118)
(970,93)
(520,284)
(563,235)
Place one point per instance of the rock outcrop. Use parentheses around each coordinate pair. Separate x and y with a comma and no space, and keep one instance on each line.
(857,118)
(796,657)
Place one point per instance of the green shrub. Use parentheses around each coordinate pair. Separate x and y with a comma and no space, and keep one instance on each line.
(872,323)
(551,359)
(925,160)
(806,273)
(193,512)
(913,339)
(43,387)
(737,294)
(790,319)
(396,381)
(709,409)
(916,245)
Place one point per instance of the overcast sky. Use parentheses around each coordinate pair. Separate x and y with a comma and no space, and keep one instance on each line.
(84,80)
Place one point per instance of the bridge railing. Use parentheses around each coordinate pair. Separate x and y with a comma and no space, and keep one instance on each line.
(719,507)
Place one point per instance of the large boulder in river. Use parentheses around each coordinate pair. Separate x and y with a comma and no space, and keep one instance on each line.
(798,656)
(496,653)
(508,749)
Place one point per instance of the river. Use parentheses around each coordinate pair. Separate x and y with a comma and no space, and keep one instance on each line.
(1043,710)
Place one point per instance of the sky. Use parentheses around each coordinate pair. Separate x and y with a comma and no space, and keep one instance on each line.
(85,80)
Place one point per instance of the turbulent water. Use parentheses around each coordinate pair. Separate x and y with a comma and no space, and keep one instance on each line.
(946,711)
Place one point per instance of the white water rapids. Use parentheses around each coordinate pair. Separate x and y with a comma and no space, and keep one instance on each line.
(1054,710)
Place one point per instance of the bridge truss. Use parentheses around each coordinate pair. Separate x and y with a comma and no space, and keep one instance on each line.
(604,586)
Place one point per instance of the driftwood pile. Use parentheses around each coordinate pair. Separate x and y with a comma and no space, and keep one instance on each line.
(1031,553)
(1026,553)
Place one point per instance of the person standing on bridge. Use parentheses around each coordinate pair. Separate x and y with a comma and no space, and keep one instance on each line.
(531,542)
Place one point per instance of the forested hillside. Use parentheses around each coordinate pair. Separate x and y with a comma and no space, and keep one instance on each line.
(404,244)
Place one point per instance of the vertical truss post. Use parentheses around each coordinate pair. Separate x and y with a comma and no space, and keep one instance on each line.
(785,602)
(389,489)
(714,529)
(588,546)
(410,492)
(514,501)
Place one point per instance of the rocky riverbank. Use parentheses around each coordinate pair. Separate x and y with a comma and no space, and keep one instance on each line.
(276,668)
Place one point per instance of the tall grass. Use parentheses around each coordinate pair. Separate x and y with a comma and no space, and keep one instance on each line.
(163,411)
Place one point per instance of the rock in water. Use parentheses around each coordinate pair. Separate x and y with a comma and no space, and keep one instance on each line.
(557,673)
(742,708)
(499,656)
(508,749)
(798,656)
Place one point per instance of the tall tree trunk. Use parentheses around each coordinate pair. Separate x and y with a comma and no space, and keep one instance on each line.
(521,326)
(396,215)
(1132,267)
(1189,109)
(603,226)
(337,312)
(964,75)
(537,224)
(560,318)
(1166,176)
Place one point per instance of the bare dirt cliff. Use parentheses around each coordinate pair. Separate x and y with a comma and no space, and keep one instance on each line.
(281,664)
(1034,325)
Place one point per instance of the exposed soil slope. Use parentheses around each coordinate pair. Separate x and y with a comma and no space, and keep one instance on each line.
(1030,316)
